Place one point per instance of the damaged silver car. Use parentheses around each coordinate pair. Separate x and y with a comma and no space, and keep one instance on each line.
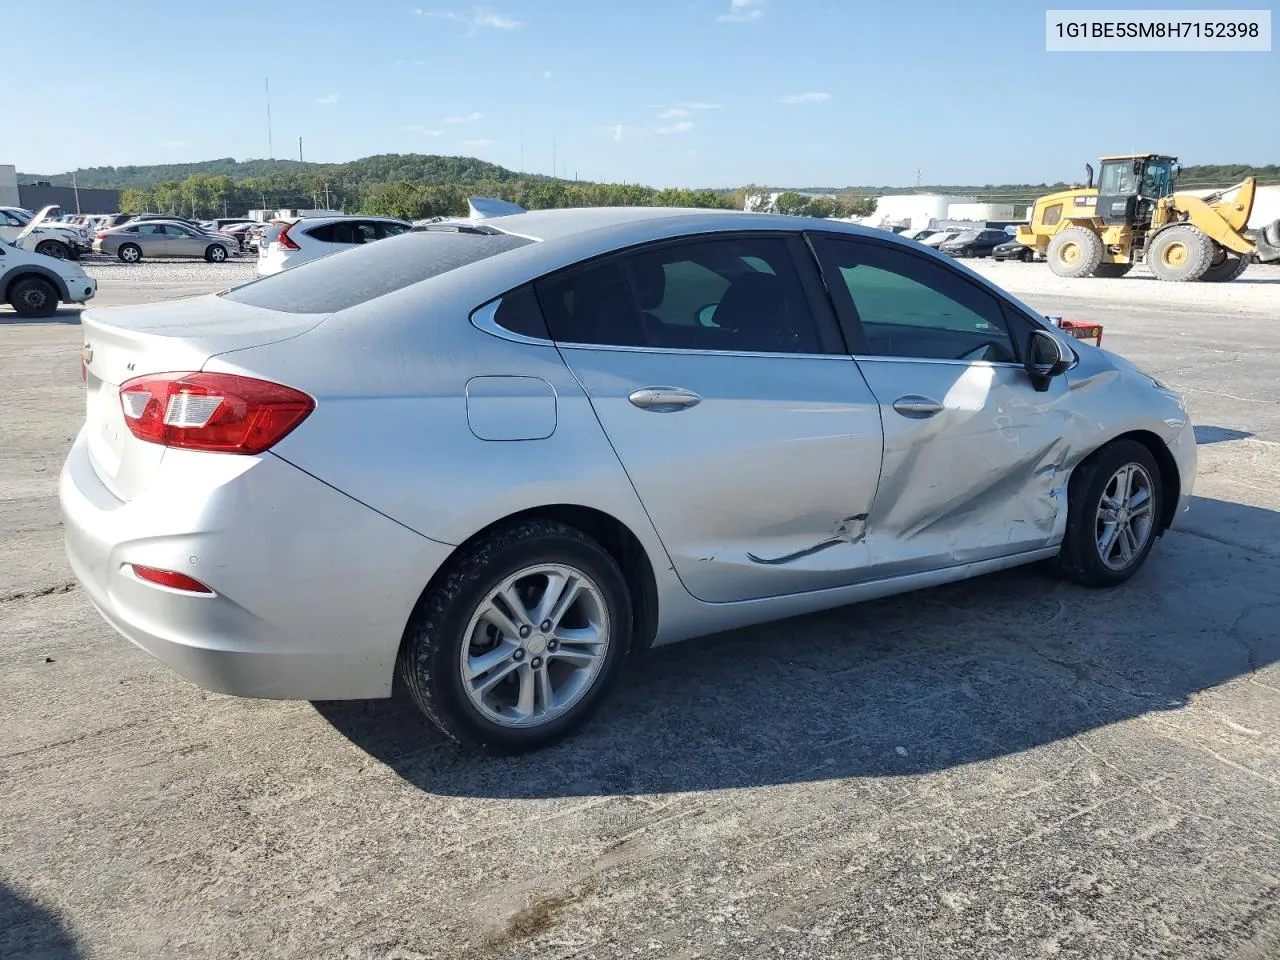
(498,454)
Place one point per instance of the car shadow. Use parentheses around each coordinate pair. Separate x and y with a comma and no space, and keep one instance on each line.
(907,685)
(1207,434)
(32,932)
(67,315)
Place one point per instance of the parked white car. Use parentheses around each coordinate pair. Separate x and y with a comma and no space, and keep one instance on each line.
(310,238)
(33,283)
(49,237)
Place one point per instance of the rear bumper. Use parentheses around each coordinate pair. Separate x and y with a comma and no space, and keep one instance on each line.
(312,590)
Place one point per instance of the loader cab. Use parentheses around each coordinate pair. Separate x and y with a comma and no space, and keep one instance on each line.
(1128,188)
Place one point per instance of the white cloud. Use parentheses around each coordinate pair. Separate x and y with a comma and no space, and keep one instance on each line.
(617,133)
(812,97)
(469,118)
(697,105)
(684,126)
(673,113)
(547,75)
(410,63)
(419,128)
(477,143)
(743,11)
(474,21)
(327,99)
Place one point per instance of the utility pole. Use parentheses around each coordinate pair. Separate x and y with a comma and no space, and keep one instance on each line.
(76,189)
(271,147)
(522,149)
(917,178)
(299,149)
(326,197)
(553,155)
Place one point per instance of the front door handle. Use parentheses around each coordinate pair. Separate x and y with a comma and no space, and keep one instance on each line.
(664,399)
(917,407)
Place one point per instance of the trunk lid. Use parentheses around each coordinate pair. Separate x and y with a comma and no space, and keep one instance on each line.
(121,343)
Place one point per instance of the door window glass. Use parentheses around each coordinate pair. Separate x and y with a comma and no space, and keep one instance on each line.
(910,306)
(732,294)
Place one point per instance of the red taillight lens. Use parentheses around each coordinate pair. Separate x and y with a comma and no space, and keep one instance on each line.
(167,578)
(216,412)
(285,240)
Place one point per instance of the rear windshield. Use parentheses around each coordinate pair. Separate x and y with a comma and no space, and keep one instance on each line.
(369,271)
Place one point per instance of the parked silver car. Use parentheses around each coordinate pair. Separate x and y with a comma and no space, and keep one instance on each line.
(163,238)
(500,455)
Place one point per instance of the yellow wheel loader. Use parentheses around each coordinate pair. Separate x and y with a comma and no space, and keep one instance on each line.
(1133,215)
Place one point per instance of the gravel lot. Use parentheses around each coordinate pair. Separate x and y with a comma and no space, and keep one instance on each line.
(113,271)
(1005,768)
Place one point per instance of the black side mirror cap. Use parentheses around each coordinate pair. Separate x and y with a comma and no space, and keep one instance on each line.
(1047,357)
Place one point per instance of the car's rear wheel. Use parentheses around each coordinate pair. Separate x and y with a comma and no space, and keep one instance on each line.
(33,297)
(216,253)
(517,642)
(129,253)
(1114,506)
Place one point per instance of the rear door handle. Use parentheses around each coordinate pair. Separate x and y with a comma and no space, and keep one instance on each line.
(917,407)
(664,399)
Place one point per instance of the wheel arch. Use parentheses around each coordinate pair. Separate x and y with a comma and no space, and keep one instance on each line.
(617,539)
(1170,478)
(7,280)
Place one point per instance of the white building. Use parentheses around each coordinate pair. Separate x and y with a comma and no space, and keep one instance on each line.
(9,186)
(914,210)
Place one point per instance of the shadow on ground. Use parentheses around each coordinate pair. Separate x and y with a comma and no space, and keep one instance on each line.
(1206,434)
(31,932)
(69,315)
(908,685)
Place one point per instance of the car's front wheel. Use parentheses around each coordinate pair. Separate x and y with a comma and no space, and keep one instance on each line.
(517,642)
(1114,505)
(54,248)
(33,297)
(216,253)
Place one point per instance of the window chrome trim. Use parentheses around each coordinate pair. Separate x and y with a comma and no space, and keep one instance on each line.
(686,351)
(485,319)
(871,358)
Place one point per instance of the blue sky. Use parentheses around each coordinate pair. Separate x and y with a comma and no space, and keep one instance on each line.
(665,92)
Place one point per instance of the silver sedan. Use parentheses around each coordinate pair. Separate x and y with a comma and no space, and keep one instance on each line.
(498,455)
(163,238)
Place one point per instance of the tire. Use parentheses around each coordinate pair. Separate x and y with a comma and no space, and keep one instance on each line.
(1232,265)
(54,248)
(33,297)
(1180,254)
(216,253)
(448,629)
(129,252)
(1075,252)
(1027,256)
(1084,547)
(1112,271)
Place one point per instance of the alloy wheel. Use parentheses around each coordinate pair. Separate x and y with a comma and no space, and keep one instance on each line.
(1125,521)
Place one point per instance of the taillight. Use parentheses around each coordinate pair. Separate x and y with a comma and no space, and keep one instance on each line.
(285,240)
(216,412)
(99,236)
(167,578)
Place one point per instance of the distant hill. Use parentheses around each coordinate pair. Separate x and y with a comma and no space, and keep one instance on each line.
(384,168)
(440,170)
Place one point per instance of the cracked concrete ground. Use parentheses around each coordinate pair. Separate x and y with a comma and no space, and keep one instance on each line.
(1009,767)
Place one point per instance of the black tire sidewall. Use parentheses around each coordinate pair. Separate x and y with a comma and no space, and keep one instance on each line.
(1079,555)
(17,297)
(432,648)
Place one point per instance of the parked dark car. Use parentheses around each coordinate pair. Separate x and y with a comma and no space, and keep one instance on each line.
(974,243)
(1013,250)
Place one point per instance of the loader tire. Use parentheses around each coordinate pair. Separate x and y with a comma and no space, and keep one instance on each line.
(1180,254)
(1112,271)
(1232,265)
(1075,252)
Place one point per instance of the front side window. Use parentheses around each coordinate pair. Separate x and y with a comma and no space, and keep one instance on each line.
(912,307)
(726,294)
(391,229)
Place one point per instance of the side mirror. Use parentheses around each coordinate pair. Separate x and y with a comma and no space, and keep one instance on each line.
(1047,357)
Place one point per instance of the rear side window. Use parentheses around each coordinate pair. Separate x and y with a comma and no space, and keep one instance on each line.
(368,272)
